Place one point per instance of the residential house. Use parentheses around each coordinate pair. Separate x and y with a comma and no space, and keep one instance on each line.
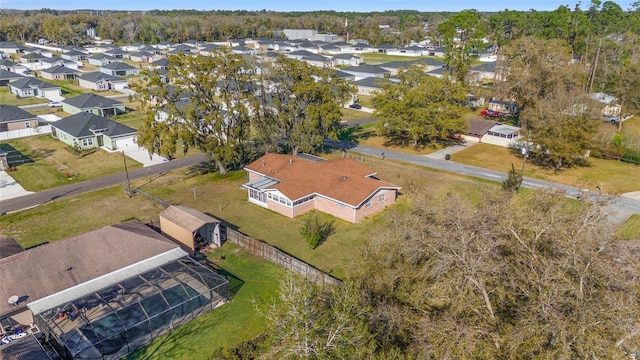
(438,51)
(7,76)
(502,135)
(317,60)
(359,48)
(11,47)
(117,53)
(343,75)
(102,59)
(208,49)
(119,69)
(143,56)
(9,65)
(299,54)
(394,67)
(55,61)
(126,279)
(503,107)
(183,49)
(293,185)
(329,49)
(609,104)
(413,50)
(477,128)
(365,71)
(429,64)
(366,86)
(193,230)
(32,58)
(14,118)
(40,51)
(483,72)
(59,73)
(346,60)
(133,47)
(92,103)
(384,48)
(30,87)
(160,64)
(86,131)
(74,55)
(101,82)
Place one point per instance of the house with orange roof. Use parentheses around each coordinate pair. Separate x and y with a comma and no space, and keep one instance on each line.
(293,185)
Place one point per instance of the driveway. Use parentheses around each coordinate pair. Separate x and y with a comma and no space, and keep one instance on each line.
(9,188)
(440,154)
(141,155)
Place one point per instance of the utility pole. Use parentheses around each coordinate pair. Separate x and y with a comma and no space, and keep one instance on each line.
(595,66)
(126,171)
(525,154)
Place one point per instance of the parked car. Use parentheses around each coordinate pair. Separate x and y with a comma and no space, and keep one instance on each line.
(55,104)
(355,106)
(610,118)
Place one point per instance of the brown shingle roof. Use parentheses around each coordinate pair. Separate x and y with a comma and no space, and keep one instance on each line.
(345,180)
(186,217)
(50,268)
(479,127)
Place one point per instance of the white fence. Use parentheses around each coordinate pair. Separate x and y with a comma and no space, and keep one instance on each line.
(14,134)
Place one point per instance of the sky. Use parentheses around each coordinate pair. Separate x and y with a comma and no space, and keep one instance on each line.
(301,5)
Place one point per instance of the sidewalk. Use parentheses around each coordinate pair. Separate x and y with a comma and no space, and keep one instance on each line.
(9,188)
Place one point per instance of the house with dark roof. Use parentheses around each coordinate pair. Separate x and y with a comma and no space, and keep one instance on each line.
(119,69)
(491,132)
(74,55)
(31,58)
(483,72)
(316,60)
(413,50)
(346,60)
(293,185)
(395,66)
(8,76)
(366,86)
(105,293)
(101,82)
(439,51)
(87,131)
(117,53)
(14,118)
(384,48)
(55,61)
(101,59)
(429,64)
(59,72)
(29,87)
(365,71)
(11,47)
(145,57)
(162,63)
(94,104)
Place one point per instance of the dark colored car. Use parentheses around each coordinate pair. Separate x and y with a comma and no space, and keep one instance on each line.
(355,106)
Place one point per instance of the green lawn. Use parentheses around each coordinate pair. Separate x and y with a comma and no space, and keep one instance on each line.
(70,88)
(7,98)
(617,177)
(378,58)
(228,325)
(365,100)
(52,159)
(630,230)
(352,114)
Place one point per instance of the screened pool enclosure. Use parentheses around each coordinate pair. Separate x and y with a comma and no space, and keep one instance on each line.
(124,316)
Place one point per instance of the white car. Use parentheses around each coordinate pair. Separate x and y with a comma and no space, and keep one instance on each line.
(55,104)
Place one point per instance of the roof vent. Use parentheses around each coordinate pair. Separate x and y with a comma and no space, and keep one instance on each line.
(264,163)
(344,177)
(290,161)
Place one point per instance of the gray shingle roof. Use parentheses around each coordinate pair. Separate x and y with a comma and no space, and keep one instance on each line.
(118,66)
(370,69)
(161,62)
(9,75)
(9,113)
(81,125)
(97,76)
(59,69)
(102,56)
(31,83)
(50,268)
(53,59)
(92,101)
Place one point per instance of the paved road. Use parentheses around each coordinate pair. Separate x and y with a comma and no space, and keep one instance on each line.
(42,197)
(622,206)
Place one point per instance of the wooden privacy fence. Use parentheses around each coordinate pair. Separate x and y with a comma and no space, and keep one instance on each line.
(278,257)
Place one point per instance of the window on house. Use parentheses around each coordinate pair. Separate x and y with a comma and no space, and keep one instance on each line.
(367,204)
(27,125)
(381,198)
(87,142)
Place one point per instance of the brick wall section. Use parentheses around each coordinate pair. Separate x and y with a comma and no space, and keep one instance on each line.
(376,204)
(262,249)
(304,207)
(279,208)
(328,206)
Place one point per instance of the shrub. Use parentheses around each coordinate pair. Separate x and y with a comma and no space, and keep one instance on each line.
(314,230)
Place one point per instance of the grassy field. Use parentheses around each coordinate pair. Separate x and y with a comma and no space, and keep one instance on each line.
(229,324)
(351,114)
(7,98)
(617,177)
(365,100)
(377,58)
(51,160)
(630,230)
